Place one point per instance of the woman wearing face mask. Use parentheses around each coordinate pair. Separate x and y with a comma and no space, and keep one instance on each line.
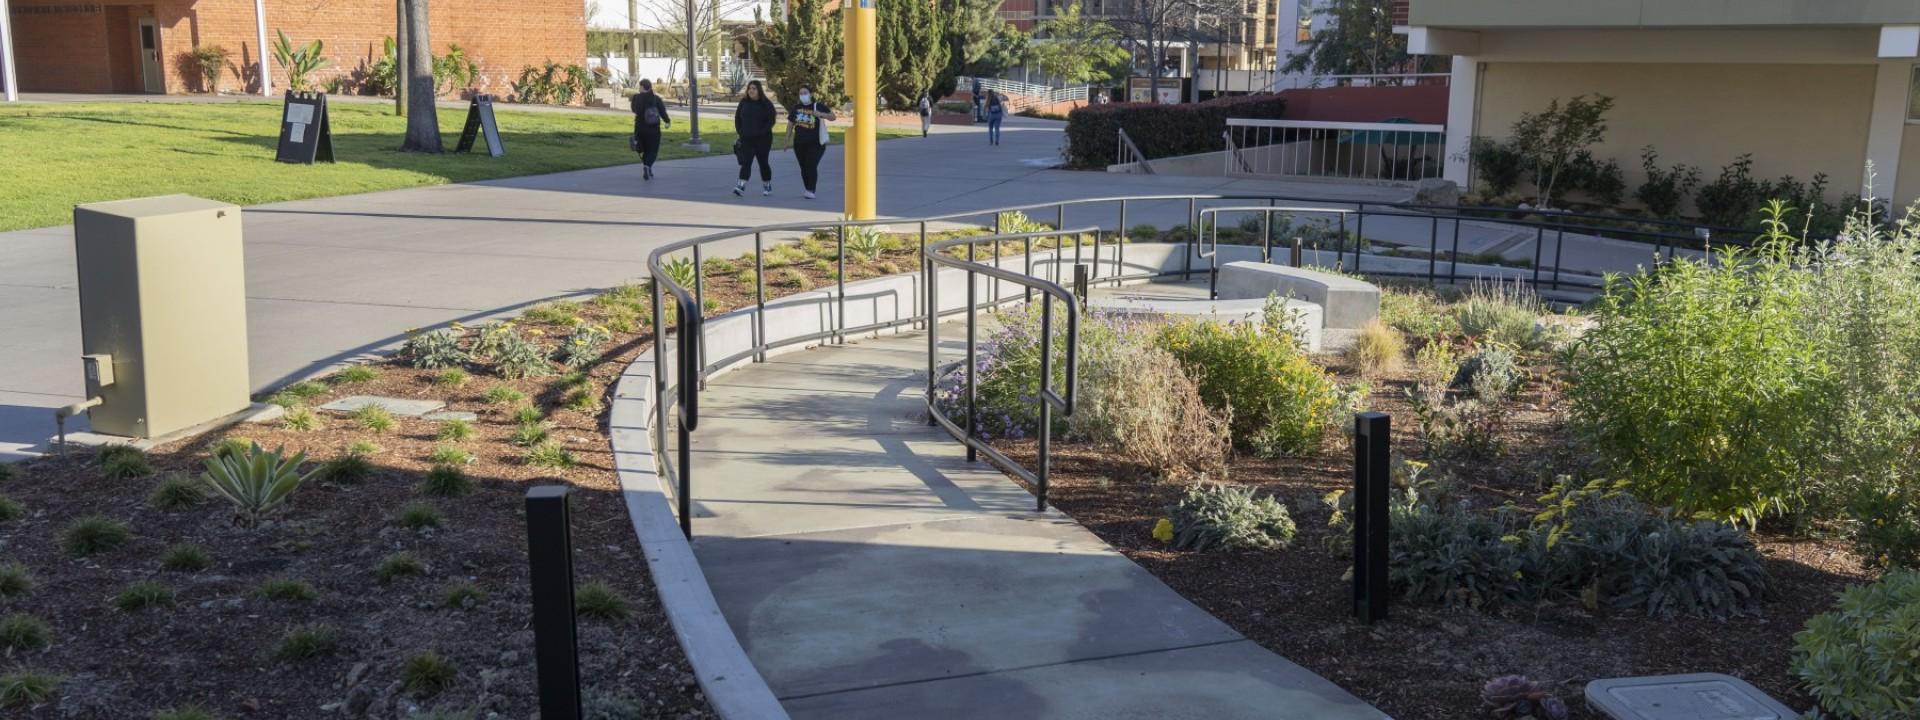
(753,122)
(649,114)
(807,122)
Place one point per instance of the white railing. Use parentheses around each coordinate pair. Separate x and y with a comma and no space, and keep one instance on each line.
(1009,88)
(1129,153)
(1303,81)
(1390,152)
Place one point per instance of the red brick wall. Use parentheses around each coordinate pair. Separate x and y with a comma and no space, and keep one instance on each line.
(70,51)
(1419,103)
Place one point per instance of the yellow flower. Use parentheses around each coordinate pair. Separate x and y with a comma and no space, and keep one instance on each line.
(1163,530)
(535,331)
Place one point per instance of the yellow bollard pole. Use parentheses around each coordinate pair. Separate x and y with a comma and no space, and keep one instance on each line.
(863,89)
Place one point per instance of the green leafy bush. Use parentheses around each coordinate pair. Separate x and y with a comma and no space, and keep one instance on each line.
(435,349)
(1665,190)
(1498,165)
(583,346)
(1160,130)
(1490,373)
(1228,516)
(1138,402)
(1858,659)
(519,357)
(1502,313)
(1280,401)
(256,482)
(1416,312)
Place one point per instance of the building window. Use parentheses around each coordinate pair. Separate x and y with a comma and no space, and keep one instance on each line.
(1304,30)
(1913,97)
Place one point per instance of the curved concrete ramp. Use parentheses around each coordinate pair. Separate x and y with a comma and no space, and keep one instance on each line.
(871,572)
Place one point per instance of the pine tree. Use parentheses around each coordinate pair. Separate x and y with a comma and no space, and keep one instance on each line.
(911,54)
(804,49)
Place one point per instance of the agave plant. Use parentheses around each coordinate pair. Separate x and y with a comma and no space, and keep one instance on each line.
(255,481)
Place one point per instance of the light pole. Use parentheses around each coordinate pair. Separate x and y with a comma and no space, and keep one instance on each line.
(260,33)
(693,87)
(6,53)
(863,91)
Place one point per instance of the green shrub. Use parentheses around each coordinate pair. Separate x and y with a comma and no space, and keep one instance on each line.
(9,509)
(582,401)
(519,357)
(428,673)
(27,687)
(681,271)
(1227,516)
(1379,349)
(527,415)
(548,454)
(449,455)
(1490,373)
(504,394)
(257,482)
(446,481)
(288,590)
(144,596)
(301,419)
(1281,403)
(348,468)
(418,516)
(1500,313)
(461,596)
(305,642)
(124,462)
(298,393)
(435,349)
(488,339)
(1858,659)
(530,434)
(355,375)
(1160,130)
(1135,401)
(599,601)
(400,565)
(583,347)
(23,633)
(455,430)
(451,377)
(1665,190)
(15,581)
(373,418)
(1418,313)
(184,557)
(92,535)
(1498,165)
(558,312)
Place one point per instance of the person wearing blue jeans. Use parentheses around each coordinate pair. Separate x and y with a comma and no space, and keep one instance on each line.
(996,112)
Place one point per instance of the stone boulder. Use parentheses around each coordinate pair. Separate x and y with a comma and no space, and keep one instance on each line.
(1435,191)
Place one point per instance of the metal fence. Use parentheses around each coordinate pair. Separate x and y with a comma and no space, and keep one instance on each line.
(1388,152)
(677,394)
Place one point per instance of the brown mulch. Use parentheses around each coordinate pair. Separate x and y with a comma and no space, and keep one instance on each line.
(1429,662)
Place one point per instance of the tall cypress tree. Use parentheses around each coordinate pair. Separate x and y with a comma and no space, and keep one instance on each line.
(911,51)
(804,49)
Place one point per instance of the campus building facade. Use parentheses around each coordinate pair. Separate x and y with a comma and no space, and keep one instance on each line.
(1805,87)
(139,46)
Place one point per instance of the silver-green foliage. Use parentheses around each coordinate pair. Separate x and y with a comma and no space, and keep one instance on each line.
(1502,313)
(435,349)
(583,346)
(519,357)
(864,242)
(256,481)
(1234,517)
(1859,660)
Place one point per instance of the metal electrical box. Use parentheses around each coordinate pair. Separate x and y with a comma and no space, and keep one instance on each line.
(163,314)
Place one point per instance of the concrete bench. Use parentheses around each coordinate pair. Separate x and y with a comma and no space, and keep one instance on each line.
(1346,303)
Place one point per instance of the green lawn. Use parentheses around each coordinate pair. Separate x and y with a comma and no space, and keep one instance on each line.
(55,156)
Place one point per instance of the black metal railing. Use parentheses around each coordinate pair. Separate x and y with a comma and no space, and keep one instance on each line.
(677,394)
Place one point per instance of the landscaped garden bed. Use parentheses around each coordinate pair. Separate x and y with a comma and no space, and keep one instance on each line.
(1683,479)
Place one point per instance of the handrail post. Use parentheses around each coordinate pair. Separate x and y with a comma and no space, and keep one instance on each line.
(1454,272)
(1213,259)
(700,304)
(1193,236)
(925,310)
(840,285)
(933,322)
(994,295)
(1359,235)
(759,299)
(1046,405)
(1433,252)
(1539,241)
(1559,259)
(1266,233)
(973,413)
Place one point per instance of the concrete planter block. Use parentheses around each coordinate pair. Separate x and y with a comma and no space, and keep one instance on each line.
(1348,303)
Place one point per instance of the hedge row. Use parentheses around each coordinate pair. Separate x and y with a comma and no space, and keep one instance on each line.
(1159,130)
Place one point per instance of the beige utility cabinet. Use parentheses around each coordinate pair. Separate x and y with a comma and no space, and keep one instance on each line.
(163,313)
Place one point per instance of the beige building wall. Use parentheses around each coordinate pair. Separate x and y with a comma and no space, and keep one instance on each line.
(1795,119)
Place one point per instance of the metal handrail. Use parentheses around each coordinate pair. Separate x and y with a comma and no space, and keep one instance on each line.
(1210,251)
(1130,153)
(682,395)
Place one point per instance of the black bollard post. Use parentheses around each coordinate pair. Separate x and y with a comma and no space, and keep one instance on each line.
(1080,280)
(550,567)
(1372,471)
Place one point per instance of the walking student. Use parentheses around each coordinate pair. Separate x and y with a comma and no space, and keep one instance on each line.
(996,112)
(753,123)
(807,122)
(649,114)
(926,114)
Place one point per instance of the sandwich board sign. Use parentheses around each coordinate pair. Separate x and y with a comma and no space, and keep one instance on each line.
(305,134)
(480,122)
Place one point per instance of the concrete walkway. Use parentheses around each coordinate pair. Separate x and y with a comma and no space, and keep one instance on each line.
(871,572)
(330,279)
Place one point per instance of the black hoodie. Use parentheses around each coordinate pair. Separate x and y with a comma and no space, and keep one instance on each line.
(754,118)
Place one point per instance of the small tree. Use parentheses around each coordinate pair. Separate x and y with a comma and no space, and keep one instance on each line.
(1079,50)
(979,42)
(210,62)
(1548,139)
(1358,39)
(804,49)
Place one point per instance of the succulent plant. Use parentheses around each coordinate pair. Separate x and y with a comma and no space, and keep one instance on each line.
(1514,697)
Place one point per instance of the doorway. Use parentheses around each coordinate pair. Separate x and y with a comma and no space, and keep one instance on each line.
(150,73)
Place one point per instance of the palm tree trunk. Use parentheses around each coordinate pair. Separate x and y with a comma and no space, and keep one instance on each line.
(423,124)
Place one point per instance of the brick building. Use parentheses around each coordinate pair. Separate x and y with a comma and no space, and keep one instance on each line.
(135,46)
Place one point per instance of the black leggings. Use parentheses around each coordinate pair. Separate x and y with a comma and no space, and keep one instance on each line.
(752,148)
(649,137)
(809,155)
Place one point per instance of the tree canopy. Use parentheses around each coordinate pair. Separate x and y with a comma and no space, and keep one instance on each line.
(804,49)
(1079,50)
(911,52)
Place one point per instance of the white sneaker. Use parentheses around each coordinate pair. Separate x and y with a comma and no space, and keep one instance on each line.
(739,189)
(809,195)
(766,189)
